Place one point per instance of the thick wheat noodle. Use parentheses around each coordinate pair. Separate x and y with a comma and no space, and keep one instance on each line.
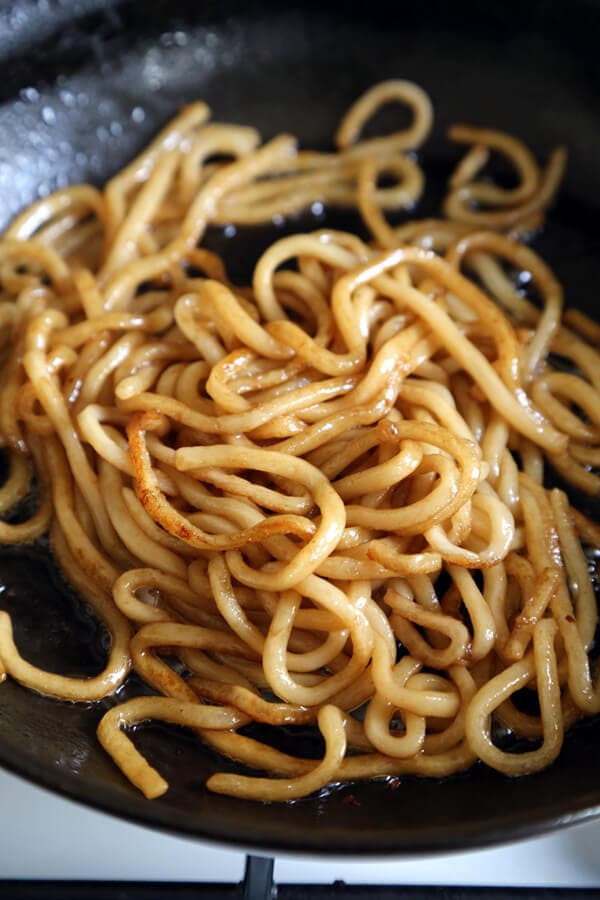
(180,526)
(279,485)
(484,139)
(572,470)
(233,140)
(540,514)
(530,197)
(363,109)
(238,422)
(241,625)
(15,489)
(499,539)
(276,670)
(189,118)
(534,607)
(512,405)
(178,712)
(331,724)
(297,188)
(53,403)
(542,664)
(371,210)
(469,166)
(576,565)
(548,322)
(532,727)
(582,324)
(381,711)
(252,703)
(406,614)
(147,201)
(399,563)
(138,542)
(63,687)
(174,591)
(17,482)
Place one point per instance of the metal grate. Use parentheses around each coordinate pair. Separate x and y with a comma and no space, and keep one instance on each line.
(258,884)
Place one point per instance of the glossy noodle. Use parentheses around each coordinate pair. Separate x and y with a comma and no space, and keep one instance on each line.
(319,499)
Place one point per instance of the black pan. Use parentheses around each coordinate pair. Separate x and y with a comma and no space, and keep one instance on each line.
(82,86)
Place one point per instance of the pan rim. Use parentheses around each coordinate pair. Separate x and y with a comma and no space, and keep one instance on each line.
(433,840)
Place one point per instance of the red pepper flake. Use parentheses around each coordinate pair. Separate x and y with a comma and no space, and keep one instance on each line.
(569,618)
(350,800)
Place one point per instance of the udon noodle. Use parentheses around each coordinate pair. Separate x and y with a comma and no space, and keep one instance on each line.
(319,499)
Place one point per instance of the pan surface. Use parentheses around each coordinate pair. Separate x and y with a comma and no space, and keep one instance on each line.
(83,86)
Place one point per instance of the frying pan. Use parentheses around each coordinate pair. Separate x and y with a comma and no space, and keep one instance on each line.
(83,85)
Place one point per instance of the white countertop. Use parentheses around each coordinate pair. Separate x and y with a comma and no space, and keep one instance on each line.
(48,837)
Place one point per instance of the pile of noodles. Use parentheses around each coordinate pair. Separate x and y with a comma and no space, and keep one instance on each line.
(322,494)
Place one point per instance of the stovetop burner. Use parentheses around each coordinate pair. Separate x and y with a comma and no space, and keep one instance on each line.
(53,848)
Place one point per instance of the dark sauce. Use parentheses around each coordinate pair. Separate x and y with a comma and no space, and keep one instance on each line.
(53,628)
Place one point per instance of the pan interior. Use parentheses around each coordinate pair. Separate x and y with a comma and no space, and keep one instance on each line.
(81,94)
